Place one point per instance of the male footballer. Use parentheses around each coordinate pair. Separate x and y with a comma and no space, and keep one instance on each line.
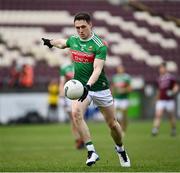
(121,85)
(89,55)
(167,89)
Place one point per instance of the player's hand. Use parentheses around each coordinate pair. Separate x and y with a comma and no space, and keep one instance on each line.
(47,42)
(85,93)
(170,93)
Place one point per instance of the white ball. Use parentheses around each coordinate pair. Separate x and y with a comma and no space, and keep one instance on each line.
(73,89)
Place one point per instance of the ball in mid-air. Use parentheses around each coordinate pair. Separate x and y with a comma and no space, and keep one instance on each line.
(73,89)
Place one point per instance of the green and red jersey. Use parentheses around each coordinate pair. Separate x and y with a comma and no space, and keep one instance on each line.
(67,71)
(84,52)
(119,82)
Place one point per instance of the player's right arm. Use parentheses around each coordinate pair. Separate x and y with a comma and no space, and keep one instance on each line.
(59,43)
(157,95)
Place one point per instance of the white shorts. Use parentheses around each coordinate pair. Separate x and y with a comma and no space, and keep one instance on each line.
(168,105)
(121,103)
(101,98)
(66,103)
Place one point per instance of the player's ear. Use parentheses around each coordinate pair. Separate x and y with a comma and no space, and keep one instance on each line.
(90,24)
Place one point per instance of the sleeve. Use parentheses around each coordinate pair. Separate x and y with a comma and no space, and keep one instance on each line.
(68,42)
(62,72)
(156,82)
(101,53)
(173,80)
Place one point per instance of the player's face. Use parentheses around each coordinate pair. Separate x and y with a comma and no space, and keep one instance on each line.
(162,70)
(83,28)
(120,69)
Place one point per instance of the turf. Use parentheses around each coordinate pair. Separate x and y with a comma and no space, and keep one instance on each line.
(29,148)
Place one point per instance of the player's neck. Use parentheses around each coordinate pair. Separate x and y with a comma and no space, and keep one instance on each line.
(89,38)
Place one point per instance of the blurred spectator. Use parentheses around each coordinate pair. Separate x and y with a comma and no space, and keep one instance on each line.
(27,76)
(53,96)
(121,83)
(15,75)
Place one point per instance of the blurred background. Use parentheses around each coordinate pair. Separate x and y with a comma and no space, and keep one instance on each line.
(141,34)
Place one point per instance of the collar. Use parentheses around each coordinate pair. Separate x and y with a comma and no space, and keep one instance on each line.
(84,40)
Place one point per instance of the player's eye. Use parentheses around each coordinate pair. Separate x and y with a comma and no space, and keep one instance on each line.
(77,27)
(83,26)
(80,27)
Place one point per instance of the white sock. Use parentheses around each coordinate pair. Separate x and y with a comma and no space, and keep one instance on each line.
(90,147)
(120,148)
(155,130)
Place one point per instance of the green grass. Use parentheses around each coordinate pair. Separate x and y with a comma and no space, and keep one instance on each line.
(29,148)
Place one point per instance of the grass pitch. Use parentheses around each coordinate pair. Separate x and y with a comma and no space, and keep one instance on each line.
(29,148)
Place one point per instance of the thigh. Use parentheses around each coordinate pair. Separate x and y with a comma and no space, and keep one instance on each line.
(160,107)
(102,98)
(80,107)
(108,112)
(170,106)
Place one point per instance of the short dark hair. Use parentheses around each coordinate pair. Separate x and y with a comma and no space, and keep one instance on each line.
(163,64)
(83,16)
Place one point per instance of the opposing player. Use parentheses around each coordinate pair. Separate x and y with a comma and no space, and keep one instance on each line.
(121,85)
(67,73)
(165,99)
(89,55)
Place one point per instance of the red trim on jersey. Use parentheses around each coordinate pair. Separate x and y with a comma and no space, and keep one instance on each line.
(105,43)
(78,56)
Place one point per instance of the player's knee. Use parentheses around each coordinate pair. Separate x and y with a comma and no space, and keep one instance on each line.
(158,115)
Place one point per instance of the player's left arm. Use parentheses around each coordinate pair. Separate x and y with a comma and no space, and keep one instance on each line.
(129,87)
(98,66)
(97,69)
(175,88)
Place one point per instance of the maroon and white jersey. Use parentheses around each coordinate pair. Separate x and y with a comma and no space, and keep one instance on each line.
(165,82)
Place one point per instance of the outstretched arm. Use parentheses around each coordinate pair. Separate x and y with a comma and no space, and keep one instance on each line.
(59,43)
